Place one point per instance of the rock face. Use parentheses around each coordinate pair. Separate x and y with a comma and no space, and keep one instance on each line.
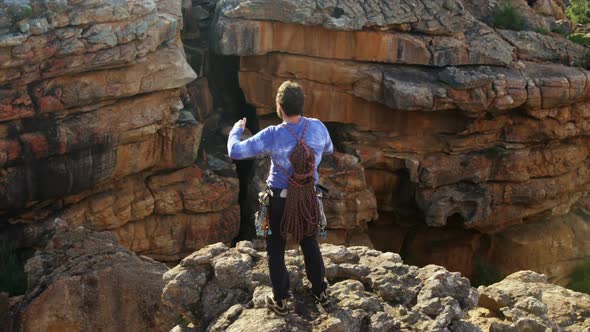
(454,122)
(474,138)
(93,129)
(222,289)
(525,301)
(85,281)
(554,247)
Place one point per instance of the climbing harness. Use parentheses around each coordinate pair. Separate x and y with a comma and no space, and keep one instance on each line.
(261,216)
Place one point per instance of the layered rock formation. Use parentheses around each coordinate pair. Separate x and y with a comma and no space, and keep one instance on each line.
(93,129)
(223,289)
(455,122)
(85,281)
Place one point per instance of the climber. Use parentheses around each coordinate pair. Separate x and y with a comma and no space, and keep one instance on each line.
(295,148)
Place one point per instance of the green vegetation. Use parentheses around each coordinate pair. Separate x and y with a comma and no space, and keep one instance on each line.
(496,152)
(581,278)
(506,16)
(578,11)
(562,30)
(485,274)
(18,12)
(542,30)
(580,38)
(13,278)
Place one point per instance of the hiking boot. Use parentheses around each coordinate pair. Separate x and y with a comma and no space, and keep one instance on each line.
(278,306)
(322,298)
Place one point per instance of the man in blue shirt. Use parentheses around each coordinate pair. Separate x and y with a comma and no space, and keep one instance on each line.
(278,143)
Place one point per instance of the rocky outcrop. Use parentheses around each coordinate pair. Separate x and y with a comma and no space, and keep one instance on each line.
(485,154)
(461,116)
(456,123)
(165,216)
(222,289)
(93,128)
(525,301)
(85,281)
(538,14)
(411,33)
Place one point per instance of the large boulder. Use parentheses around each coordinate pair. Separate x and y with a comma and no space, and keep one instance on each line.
(85,281)
(525,301)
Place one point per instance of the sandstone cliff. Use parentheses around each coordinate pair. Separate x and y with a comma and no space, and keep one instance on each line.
(456,123)
(439,119)
(93,129)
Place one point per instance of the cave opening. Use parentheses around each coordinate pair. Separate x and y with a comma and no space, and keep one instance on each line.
(455,221)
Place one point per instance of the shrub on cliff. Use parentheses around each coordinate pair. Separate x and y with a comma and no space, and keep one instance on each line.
(580,38)
(13,278)
(506,16)
(581,278)
(579,11)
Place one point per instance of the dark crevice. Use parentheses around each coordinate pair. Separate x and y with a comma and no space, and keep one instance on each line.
(229,98)
(338,12)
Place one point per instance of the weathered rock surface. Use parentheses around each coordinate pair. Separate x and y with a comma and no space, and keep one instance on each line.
(165,216)
(421,33)
(249,37)
(222,289)
(456,124)
(525,301)
(554,246)
(494,142)
(539,14)
(93,128)
(85,281)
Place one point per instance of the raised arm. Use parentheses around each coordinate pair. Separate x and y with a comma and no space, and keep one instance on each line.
(256,145)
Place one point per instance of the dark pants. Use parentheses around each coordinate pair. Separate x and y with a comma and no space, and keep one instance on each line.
(275,247)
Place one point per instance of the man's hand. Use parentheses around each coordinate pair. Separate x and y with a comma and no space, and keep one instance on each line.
(240,123)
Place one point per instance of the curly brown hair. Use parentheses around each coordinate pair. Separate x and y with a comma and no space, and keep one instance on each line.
(290,97)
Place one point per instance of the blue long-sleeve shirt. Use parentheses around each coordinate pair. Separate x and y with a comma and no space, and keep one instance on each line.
(277,142)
